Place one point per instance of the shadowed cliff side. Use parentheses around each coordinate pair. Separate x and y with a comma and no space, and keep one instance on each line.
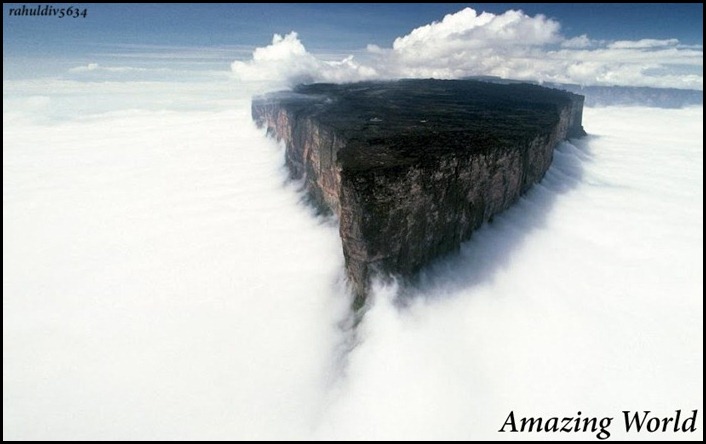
(412,167)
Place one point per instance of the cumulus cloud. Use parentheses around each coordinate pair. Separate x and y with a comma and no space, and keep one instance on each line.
(468,29)
(286,61)
(509,45)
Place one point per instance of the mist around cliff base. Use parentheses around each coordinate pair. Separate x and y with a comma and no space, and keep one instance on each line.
(162,279)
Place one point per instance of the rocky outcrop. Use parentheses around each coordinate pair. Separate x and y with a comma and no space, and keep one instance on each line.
(412,167)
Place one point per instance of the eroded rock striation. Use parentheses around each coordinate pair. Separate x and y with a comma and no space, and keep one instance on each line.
(412,167)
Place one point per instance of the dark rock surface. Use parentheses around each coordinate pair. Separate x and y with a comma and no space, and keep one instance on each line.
(412,167)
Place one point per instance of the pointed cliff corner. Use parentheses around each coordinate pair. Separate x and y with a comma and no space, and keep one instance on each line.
(412,167)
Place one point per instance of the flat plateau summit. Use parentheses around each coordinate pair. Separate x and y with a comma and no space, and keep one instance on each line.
(413,167)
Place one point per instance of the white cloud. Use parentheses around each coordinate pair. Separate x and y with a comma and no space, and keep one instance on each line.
(96,68)
(96,71)
(90,208)
(466,29)
(511,45)
(162,283)
(286,61)
(581,41)
(84,68)
(643,43)
(97,91)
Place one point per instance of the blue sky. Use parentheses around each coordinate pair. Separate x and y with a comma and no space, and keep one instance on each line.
(134,33)
(323,27)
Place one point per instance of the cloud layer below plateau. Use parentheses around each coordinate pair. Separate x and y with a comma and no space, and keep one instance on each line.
(509,45)
(161,280)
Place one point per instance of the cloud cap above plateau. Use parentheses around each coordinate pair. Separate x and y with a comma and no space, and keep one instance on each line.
(509,45)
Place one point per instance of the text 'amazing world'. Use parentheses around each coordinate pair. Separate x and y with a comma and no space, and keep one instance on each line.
(634,421)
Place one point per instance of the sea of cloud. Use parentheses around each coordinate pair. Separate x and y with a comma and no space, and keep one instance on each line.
(163,279)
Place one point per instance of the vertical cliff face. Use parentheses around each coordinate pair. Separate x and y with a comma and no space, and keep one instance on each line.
(411,168)
(310,149)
